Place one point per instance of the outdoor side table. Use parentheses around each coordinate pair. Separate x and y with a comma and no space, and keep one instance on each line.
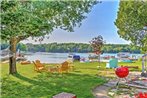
(65,95)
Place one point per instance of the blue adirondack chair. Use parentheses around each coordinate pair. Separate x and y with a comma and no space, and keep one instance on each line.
(113,63)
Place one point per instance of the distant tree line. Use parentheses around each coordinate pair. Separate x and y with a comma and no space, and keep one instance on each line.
(72,47)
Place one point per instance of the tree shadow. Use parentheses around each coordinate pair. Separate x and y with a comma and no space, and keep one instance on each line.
(47,85)
(31,81)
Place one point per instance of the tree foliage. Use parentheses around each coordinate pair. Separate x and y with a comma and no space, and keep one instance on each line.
(22,19)
(131,19)
(97,43)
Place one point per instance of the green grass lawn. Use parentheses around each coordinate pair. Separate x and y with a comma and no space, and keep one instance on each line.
(30,84)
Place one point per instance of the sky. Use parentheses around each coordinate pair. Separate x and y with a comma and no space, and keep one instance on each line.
(100,21)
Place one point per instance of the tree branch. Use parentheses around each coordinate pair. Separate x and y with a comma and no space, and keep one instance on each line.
(21,38)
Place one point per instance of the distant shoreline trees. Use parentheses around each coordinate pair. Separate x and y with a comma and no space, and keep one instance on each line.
(73,47)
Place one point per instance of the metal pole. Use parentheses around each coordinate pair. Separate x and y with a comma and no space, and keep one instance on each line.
(143,64)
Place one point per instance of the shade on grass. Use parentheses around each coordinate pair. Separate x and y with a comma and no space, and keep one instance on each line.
(46,85)
(29,84)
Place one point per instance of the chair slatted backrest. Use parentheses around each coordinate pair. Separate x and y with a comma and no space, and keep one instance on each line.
(65,66)
(38,65)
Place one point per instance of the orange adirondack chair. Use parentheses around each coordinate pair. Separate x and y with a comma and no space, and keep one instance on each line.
(64,67)
(70,64)
(38,66)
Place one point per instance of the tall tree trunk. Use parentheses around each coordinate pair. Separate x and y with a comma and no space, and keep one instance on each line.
(12,59)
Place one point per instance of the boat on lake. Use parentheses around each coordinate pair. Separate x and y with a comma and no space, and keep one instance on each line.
(123,55)
(93,56)
(74,57)
(6,54)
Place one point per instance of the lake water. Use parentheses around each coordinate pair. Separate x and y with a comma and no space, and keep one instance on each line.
(61,57)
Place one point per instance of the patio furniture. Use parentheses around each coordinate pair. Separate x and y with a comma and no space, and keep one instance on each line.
(113,63)
(65,95)
(25,62)
(70,64)
(64,67)
(53,69)
(38,66)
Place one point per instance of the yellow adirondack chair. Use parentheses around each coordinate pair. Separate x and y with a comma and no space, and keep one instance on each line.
(64,67)
(71,65)
(38,66)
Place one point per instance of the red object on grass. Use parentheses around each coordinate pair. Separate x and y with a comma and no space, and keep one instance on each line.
(122,72)
(141,95)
